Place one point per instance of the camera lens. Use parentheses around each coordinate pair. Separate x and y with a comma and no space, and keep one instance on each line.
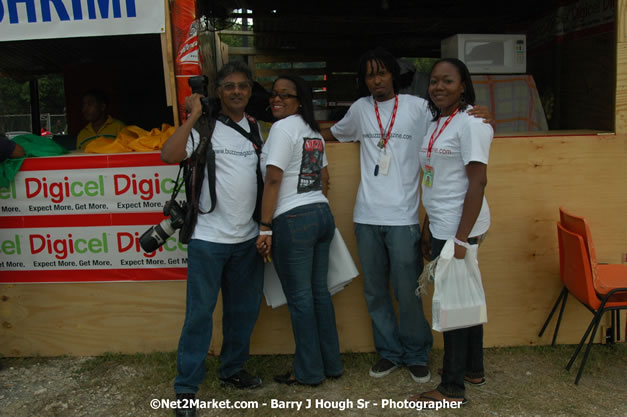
(156,236)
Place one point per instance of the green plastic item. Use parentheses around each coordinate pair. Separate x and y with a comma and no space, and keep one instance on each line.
(34,146)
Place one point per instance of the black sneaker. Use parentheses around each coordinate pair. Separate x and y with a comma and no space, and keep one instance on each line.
(242,380)
(420,373)
(382,368)
(186,408)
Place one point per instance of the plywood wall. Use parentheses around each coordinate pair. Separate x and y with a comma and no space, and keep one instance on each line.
(529,178)
(621,67)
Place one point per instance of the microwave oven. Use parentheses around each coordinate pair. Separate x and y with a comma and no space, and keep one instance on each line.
(488,54)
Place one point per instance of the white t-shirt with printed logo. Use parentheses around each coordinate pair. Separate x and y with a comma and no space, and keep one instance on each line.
(298,151)
(392,199)
(466,139)
(236,187)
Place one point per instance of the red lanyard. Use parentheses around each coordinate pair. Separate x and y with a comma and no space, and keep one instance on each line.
(434,137)
(385,137)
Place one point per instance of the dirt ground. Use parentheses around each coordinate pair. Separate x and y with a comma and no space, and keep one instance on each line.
(529,381)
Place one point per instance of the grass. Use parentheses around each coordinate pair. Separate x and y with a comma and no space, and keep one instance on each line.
(522,381)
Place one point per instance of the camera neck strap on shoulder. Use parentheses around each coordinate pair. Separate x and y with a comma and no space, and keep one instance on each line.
(204,157)
(252,136)
(255,138)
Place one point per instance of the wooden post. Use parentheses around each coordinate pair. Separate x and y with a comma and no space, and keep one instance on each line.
(167,55)
(620,123)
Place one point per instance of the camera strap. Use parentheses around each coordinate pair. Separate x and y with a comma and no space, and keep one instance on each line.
(252,136)
(255,138)
(205,157)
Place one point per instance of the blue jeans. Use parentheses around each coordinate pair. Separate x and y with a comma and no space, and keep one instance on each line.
(300,248)
(238,270)
(463,351)
(393,253)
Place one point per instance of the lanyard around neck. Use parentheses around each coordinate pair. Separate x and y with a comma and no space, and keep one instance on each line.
(434,137)
(386,137)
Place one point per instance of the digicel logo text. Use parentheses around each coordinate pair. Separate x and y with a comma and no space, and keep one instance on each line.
(58,191)
(146,188)
(70,245)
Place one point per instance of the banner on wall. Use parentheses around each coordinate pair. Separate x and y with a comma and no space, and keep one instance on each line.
(89,185)
(38,19)
(79,219)
(186,47)
(89,191)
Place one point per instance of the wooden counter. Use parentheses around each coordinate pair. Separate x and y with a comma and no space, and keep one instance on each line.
(529,178)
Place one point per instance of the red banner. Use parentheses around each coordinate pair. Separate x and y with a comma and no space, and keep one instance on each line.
(79,219)
(186,48)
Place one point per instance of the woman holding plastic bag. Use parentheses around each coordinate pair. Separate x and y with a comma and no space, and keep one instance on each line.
(453,158)
(297,227)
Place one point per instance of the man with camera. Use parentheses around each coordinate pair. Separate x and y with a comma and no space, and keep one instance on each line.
(221,252)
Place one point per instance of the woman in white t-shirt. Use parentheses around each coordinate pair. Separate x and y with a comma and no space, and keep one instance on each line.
(454,157)
(297,227)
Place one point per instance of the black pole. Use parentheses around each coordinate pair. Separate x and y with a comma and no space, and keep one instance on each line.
(244,26)
(34,107)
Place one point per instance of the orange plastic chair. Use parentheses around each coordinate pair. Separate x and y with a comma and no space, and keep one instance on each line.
(577,275)
(605,277)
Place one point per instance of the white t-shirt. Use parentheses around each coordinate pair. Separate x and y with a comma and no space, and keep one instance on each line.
(392,199)
(298,151)
(236,187)
(466,139)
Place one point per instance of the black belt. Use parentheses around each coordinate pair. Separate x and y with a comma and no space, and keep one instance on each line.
(473,240)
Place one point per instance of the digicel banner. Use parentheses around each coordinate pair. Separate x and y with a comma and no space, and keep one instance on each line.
(85,191)
(79,219)
(95,247)
(108,253)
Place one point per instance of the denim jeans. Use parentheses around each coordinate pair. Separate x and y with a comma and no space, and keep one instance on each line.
(300,251)
(392,253)
(463,351)
(238,270)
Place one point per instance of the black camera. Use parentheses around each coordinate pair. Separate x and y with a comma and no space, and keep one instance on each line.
(156,236)
(199,85)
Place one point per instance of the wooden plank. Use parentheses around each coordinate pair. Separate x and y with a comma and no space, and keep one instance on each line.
(243,50)
(621,21)
(167,53)
(621,88)
(529,178)
(288,58)
(620,121)
(273,72)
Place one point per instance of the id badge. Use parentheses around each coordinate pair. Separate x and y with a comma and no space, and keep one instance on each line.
(384,163)
(427,176)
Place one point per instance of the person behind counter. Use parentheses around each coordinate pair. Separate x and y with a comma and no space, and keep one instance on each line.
(100,123)
(390,127)
(221,253)
(9,149)
(454,179)
(297,228)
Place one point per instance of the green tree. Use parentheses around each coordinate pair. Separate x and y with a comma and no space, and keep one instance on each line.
(51,94)
(14,96)
(15,99)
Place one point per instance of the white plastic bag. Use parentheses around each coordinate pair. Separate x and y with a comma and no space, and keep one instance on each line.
(342,270)
(458,298)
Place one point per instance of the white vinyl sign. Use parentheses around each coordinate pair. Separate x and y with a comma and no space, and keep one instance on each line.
(48,19)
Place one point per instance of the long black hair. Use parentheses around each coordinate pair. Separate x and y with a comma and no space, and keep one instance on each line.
(381,58)
(305,98)
(468,96)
